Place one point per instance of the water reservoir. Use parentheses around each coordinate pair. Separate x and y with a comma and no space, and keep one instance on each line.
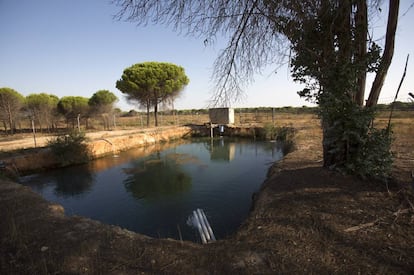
(154,190)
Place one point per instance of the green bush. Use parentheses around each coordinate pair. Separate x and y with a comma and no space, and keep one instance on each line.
(272,132)
(70,148)
(284,135)
(374,157)
(269,132)
(351,144)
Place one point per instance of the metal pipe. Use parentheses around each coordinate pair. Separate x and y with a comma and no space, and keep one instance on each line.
(198,225)
(210,230)
(203,225)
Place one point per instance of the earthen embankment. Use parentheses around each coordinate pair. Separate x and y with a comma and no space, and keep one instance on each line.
(100,144)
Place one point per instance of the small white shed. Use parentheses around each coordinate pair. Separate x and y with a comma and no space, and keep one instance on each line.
(221,116)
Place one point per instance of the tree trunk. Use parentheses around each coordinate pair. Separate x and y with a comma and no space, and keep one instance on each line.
(40,124)
(339,146)
(148,115)
(361,25)
(103,121)
(388,53)
(10,118)
(343,31)
(156,114)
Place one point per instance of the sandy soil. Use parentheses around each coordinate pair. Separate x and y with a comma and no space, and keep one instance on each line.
(305,219)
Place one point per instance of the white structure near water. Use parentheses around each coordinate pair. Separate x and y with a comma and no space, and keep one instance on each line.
(222,116)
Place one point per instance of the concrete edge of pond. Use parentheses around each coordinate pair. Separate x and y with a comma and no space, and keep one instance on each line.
(107,143)
(99,146)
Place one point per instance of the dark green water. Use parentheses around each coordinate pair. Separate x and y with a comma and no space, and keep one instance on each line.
(156,194)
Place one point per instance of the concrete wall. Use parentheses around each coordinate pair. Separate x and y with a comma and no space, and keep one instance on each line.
(105,146)
(221,115)
(99,147)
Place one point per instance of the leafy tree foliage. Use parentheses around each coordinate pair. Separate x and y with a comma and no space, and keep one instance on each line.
(73,107)
(151,83)
(11,102)
(330,55)
(101,103)
(130,113)
(42,108)
(329,51)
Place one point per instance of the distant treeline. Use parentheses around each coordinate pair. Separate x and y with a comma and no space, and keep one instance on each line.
(400,106)
(295,110)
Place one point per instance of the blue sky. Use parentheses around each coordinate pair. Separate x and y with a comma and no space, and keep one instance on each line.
(75,47)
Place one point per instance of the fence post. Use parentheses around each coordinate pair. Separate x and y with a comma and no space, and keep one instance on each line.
(34,133)
(78,123)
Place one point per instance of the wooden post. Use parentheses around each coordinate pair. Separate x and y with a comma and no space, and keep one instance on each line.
(34,133)
(79,123)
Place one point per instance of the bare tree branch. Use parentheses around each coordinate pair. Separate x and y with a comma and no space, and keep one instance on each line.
(253,43)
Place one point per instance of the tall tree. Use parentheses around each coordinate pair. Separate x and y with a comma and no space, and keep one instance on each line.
(11,102)
(42,108)
(73,108)
(151,83)
(102,104)
(328,47)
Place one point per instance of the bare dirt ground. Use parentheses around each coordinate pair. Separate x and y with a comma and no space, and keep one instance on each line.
(305,219)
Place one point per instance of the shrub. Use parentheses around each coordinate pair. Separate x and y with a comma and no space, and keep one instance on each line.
(269,132)
(374,157)
(70,148)
(272,132)
(284,135)
(351,144)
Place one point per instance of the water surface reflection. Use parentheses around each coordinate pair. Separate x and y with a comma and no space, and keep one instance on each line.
(156,177)
(153,190)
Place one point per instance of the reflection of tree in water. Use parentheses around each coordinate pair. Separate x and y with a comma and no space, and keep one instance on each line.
(73,182)
(157,177)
